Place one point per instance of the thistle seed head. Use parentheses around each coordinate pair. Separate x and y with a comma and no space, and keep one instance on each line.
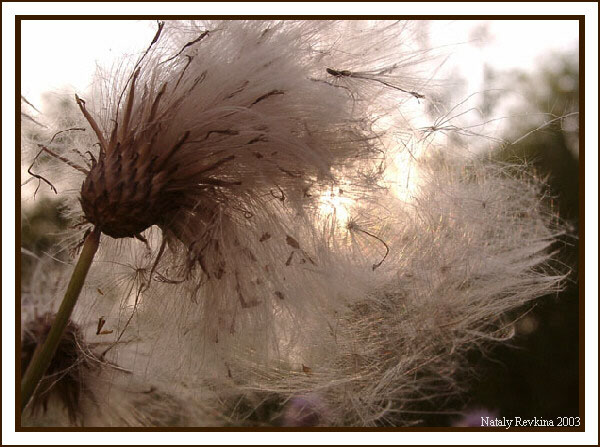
(64,379)
(126,192)
(192,149)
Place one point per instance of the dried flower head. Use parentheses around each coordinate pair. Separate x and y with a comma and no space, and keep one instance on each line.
(86,384)
(64,378)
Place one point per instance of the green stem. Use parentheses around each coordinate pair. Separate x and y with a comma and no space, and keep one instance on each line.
(44,354)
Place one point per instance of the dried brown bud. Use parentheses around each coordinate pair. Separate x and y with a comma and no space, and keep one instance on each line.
(146,175)
(64,379)
(127,191)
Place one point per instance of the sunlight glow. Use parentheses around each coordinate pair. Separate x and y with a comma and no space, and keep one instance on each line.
(334,206)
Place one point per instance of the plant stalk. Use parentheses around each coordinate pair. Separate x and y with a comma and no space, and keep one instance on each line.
(44,353)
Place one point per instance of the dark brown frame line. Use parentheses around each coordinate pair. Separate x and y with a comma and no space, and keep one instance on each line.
(581,278)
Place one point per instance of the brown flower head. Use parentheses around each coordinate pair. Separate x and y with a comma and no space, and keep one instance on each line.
(65,377)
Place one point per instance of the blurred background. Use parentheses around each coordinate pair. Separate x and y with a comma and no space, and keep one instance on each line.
(514,83)
(536,374)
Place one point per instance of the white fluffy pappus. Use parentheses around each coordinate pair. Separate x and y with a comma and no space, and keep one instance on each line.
(230,289)
(82,387)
